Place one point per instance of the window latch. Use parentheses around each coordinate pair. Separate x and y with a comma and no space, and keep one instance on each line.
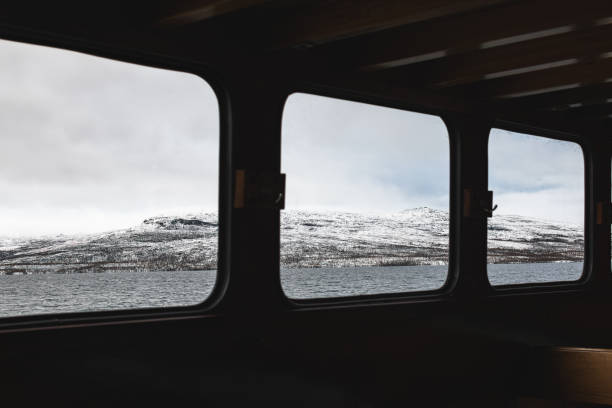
(259,189)
(478,203)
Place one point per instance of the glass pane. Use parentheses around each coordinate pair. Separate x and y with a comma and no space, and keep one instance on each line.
(537,233)
(367,199)
(109,180)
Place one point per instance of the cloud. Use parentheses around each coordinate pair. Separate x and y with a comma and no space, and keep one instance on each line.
(536,176)
(352,156)
(91,144)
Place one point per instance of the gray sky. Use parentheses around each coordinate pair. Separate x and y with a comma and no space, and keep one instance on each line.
(90,144)
(352,156)
(343,155)
(536,176)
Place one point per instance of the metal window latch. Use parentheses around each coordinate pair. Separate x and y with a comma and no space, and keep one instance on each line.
(259,189)
(603,213)
(478,203)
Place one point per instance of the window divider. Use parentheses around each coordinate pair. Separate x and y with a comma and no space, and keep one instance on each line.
(472,138)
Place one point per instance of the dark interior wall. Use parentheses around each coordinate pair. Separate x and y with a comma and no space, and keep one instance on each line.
(466,347)
(446,354)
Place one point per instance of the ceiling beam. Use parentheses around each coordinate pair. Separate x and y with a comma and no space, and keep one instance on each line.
(405,45)
(592,111)
(188,12)
(322,21)
(432,101)
(533,82)
(583,94)
(508,59)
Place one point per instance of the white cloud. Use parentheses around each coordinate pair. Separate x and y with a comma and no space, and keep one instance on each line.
(537,177)
(352,156)
(90,144)
(357,157)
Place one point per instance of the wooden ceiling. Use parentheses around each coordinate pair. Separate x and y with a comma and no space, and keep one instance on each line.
(545,57)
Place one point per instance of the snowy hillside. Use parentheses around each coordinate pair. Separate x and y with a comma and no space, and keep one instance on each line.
(159,243)
(417,236)
(308,239)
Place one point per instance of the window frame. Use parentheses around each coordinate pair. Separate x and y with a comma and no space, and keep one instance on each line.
(587,157)
(448,292)
(217,81)
(224,193)
(444,292)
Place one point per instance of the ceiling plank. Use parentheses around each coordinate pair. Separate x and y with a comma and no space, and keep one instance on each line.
(583,94)
(188,12)
(545,80)
(432,101)
(506,60)
(317,22)
(400,46)
(598,111)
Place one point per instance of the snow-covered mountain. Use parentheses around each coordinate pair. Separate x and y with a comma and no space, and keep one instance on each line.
(159,243)
(308,239)
(418,236)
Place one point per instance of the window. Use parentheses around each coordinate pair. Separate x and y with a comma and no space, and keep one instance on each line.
(367,199)
(109,180)
(537,233)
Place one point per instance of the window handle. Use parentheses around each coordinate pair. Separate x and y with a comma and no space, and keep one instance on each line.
(478,203)
(489,211)
(259,189)
(279,199)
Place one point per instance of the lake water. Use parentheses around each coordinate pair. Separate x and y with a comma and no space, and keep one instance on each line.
(334,282)
(80,292)
(58,293)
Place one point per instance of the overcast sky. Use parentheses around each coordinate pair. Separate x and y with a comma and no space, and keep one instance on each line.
(341,155)
(90,144)
(536,176)
(351,156)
